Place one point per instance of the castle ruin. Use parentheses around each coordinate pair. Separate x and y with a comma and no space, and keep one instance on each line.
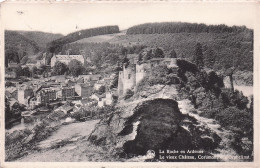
(132,74)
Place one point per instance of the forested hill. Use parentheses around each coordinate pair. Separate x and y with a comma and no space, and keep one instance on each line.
(56,45)
(17,46)
(41,38)
(182,27)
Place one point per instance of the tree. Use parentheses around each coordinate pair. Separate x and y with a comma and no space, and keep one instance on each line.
(24,60)
(148,55)
(26,72)
(43,67)
(18,70)
(251,108)
(210,58)
(75,67)
(198,56)
(59,68)
(114,82)
(101,90)
(173,54)
(140,58)
(34,70)
(158,53)
(8,113)
(124,51)
(229,72)
(126,61)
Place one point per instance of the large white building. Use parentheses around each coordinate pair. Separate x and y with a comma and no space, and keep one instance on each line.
(66,59)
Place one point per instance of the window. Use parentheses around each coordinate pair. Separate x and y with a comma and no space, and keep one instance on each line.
(129,76)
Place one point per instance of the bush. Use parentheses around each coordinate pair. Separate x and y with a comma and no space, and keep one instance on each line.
(101,90)
(160,75)
(187,66)
(233,117)
(129,93)
(209,113)
(9,84)
(59,68)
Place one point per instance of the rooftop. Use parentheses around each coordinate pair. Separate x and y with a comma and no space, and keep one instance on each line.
(69,56)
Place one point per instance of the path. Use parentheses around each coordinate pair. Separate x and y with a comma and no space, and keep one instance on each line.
(225,151)
(69,144)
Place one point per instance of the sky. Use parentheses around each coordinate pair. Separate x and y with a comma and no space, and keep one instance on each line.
(65,18)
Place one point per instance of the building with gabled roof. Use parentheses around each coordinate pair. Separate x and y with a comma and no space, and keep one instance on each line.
(66,59)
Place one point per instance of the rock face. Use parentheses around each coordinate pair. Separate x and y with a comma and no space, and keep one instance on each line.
(152,125)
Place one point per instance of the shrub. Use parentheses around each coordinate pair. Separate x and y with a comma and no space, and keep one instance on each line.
(187,66)
(209,113)
(233,117)
(101,90)
(159,75)
(9,84)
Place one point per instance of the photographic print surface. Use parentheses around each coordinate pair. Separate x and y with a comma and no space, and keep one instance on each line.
(128,82)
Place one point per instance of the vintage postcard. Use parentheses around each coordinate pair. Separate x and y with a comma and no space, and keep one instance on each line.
(129,83)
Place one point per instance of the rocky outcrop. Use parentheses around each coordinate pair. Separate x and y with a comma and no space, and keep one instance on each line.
(152,125)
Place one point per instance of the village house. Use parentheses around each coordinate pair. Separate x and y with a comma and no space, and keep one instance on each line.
(84,90)
(65,108)
(88,78)
(104,99)
(98,84)
(109,98)
(59,78)
(13,64)
(10,75)
(13,103)
(47,95)
(41,62)
(101,99)
(12,92)
(84,103)
(24,93)
(67,92)
(8,95)
(30,65)
(34,102)
(70,82)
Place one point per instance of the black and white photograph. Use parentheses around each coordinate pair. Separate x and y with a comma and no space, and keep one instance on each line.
(128,82)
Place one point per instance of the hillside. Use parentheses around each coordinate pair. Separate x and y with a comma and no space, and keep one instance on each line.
(41,38)
(56,45)
(17,46)
(180,27)
(220,50)
(100,38)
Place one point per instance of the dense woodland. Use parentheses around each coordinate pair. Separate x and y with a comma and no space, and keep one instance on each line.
(56,45)
(180,27)
(17,46)
(220,50)
(41,38)
(222,46)
(20,45)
